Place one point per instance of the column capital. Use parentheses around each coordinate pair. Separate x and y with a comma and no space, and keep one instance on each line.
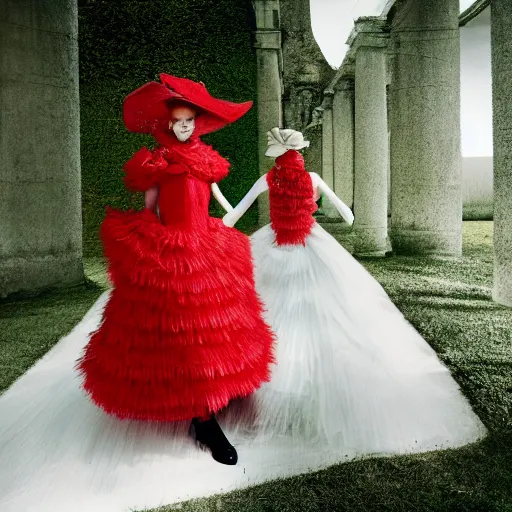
(345,84)
(370,31)
(348,70)
(327,99)
(268,40)
(345,73)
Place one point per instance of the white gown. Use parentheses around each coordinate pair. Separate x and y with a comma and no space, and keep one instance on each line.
(353,379)
(352,374)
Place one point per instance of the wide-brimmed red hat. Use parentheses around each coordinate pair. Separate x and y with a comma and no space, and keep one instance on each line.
(146,109)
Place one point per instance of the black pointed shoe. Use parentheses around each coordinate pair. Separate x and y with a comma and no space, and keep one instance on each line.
(209,434)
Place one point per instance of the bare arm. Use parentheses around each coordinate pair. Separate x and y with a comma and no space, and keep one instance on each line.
(316,193)
(342,208)
(231,218)
(220,198)
(151,198)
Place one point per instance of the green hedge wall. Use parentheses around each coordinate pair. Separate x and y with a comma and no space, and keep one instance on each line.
(125,43)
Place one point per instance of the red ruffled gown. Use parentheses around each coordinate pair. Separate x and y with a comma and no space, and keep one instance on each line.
(182,333)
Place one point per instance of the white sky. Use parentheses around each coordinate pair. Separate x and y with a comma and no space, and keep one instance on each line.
(333,20)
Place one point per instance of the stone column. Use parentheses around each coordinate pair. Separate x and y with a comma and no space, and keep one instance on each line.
(371,138)
(268,55)
(389,66)
(343,135)
(328,152)
(40,197)
(426,216)
(501,28)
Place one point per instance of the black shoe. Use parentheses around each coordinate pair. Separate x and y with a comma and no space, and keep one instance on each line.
(209,434)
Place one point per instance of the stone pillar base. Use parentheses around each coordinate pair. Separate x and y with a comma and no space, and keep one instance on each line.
(439,243)
(36,274)
(370,242)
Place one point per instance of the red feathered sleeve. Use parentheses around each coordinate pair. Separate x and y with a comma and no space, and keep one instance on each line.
(144,168)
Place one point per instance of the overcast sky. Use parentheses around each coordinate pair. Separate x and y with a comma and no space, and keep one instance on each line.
(332,21)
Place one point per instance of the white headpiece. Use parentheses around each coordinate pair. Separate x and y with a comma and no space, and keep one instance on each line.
(281,140)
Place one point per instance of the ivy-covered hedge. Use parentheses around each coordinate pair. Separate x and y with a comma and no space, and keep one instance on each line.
(126,43)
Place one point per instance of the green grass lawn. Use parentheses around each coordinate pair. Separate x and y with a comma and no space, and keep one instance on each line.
(448,301)
(478,210)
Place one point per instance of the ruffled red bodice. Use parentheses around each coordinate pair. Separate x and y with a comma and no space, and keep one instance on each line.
(146,168)
(183,172)
(291,199)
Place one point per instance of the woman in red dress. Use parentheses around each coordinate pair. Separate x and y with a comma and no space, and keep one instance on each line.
(182,334)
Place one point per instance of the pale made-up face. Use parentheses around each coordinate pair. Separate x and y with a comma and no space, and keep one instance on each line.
(182,122)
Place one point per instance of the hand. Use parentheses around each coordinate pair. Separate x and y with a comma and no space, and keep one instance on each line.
(228,220)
